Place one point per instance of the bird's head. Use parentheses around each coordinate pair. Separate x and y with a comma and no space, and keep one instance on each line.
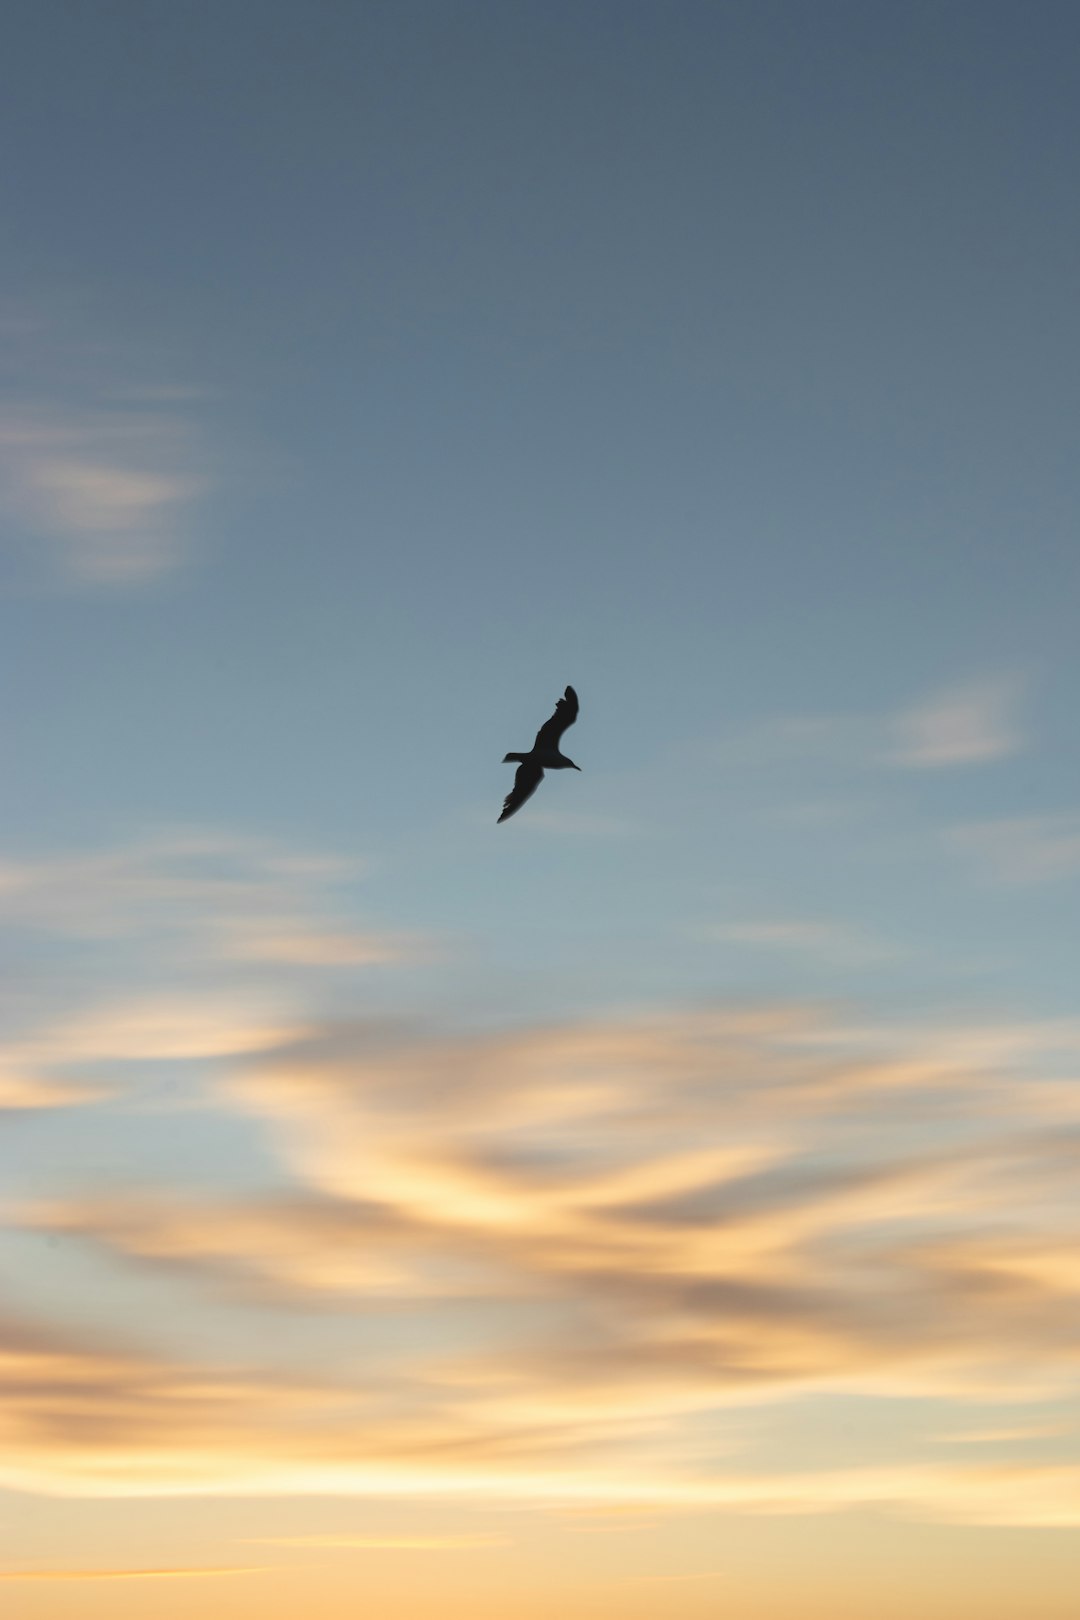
(571,764)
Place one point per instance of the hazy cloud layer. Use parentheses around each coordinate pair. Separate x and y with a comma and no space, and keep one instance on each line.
(84,1423)
(592,1241)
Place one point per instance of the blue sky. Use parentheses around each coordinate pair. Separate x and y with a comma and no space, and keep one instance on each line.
(722,364)
(369,372)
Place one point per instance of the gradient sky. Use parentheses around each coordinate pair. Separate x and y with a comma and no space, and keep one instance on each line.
(665,1203)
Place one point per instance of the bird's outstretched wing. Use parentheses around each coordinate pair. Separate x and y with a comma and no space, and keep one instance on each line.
(526,782)
(566,712)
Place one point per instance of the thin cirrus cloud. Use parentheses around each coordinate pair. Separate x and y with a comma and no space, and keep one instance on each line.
(969,724)
(1023,849)
(592,1240)
(972,722)
(218,896)
(217,939)
(21,1090)
(109,490)
(154,1029)
(102,466)
(45,1067)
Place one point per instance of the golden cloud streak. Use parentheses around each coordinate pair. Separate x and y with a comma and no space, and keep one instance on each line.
(582,1247)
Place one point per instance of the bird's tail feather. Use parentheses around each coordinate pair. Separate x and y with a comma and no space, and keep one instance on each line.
(513,759)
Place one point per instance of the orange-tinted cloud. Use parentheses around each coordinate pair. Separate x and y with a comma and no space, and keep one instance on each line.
(590,1243)
(25,1090)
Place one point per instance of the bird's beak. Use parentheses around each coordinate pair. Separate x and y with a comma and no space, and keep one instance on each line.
(577,767)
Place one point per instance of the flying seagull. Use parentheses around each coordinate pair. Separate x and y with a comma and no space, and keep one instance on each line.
(543,756)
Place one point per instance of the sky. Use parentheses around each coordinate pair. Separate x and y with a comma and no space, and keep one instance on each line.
(666,1201)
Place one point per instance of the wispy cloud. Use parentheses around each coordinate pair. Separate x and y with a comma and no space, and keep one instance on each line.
(155,1028)
(108,488)
(1024,849)
(78,1421)
(101,464)
(969,724)
(228,897)
(972,722)
(590,1239)
(27,1091)
(216,940)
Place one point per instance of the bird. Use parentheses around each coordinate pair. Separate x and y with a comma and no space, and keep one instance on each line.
(543,756)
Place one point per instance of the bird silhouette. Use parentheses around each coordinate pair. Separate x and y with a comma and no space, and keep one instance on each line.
(543,756)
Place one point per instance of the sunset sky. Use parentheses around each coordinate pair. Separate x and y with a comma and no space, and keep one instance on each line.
(666,1203)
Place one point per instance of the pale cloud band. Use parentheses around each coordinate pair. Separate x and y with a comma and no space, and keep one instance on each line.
(626,1228)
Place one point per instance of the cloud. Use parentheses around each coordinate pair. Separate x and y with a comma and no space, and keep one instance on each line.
(110,489)
(245,926)
(27,1091)
(101,468)
(1024,849)
(232,898)
(79,1421)
(969,724)
(76,1419)
(714,1207)
(291,1246)
(574,1248)
(156,1028)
